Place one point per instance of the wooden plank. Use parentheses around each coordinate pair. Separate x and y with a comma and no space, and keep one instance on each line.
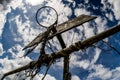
(74,23)
(62,28)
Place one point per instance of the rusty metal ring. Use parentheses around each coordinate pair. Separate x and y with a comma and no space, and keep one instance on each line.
(41,9)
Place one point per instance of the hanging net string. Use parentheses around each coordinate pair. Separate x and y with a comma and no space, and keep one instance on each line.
(46,17)
(49,29)
(47,68)
(108,45)
(112,47)
(34,70)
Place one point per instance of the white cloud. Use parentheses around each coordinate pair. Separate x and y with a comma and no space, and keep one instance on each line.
(89,31)
(110,16)
(80,11)
(1,7)
(100,72)
(48,77)
(115,73)
(104,73)
(101,24)
(16,3)
(13,64)
(71,1)
(2,20)
(62,10)
(37,77)
(1,49)
(74,77)
(34,2)
(24,30)
(8,65)
(16,51)
(75,63)
(70,37)
(4,3)
(3,13)
(116,8)
(96,56)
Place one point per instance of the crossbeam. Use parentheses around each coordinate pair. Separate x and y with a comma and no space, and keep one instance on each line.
(66,51)
(62,28)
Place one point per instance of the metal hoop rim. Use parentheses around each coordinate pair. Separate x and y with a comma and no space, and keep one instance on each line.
(46,7)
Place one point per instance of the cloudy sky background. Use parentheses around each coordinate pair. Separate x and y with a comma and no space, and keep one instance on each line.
(18,27)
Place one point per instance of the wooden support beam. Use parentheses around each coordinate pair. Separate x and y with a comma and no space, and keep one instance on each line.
(66,59)
(62,28)
(66,51)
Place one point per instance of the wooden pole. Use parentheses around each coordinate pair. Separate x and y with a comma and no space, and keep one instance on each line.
(66,58)
(66,51)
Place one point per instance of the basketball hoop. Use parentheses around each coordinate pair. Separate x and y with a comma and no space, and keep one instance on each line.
(46,16)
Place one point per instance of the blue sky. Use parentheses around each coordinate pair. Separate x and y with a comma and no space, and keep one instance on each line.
(19,27)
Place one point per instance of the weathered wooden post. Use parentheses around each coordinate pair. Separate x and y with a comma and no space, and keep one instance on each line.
(75,47)
(60,29)
(65,52)
(57,30)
